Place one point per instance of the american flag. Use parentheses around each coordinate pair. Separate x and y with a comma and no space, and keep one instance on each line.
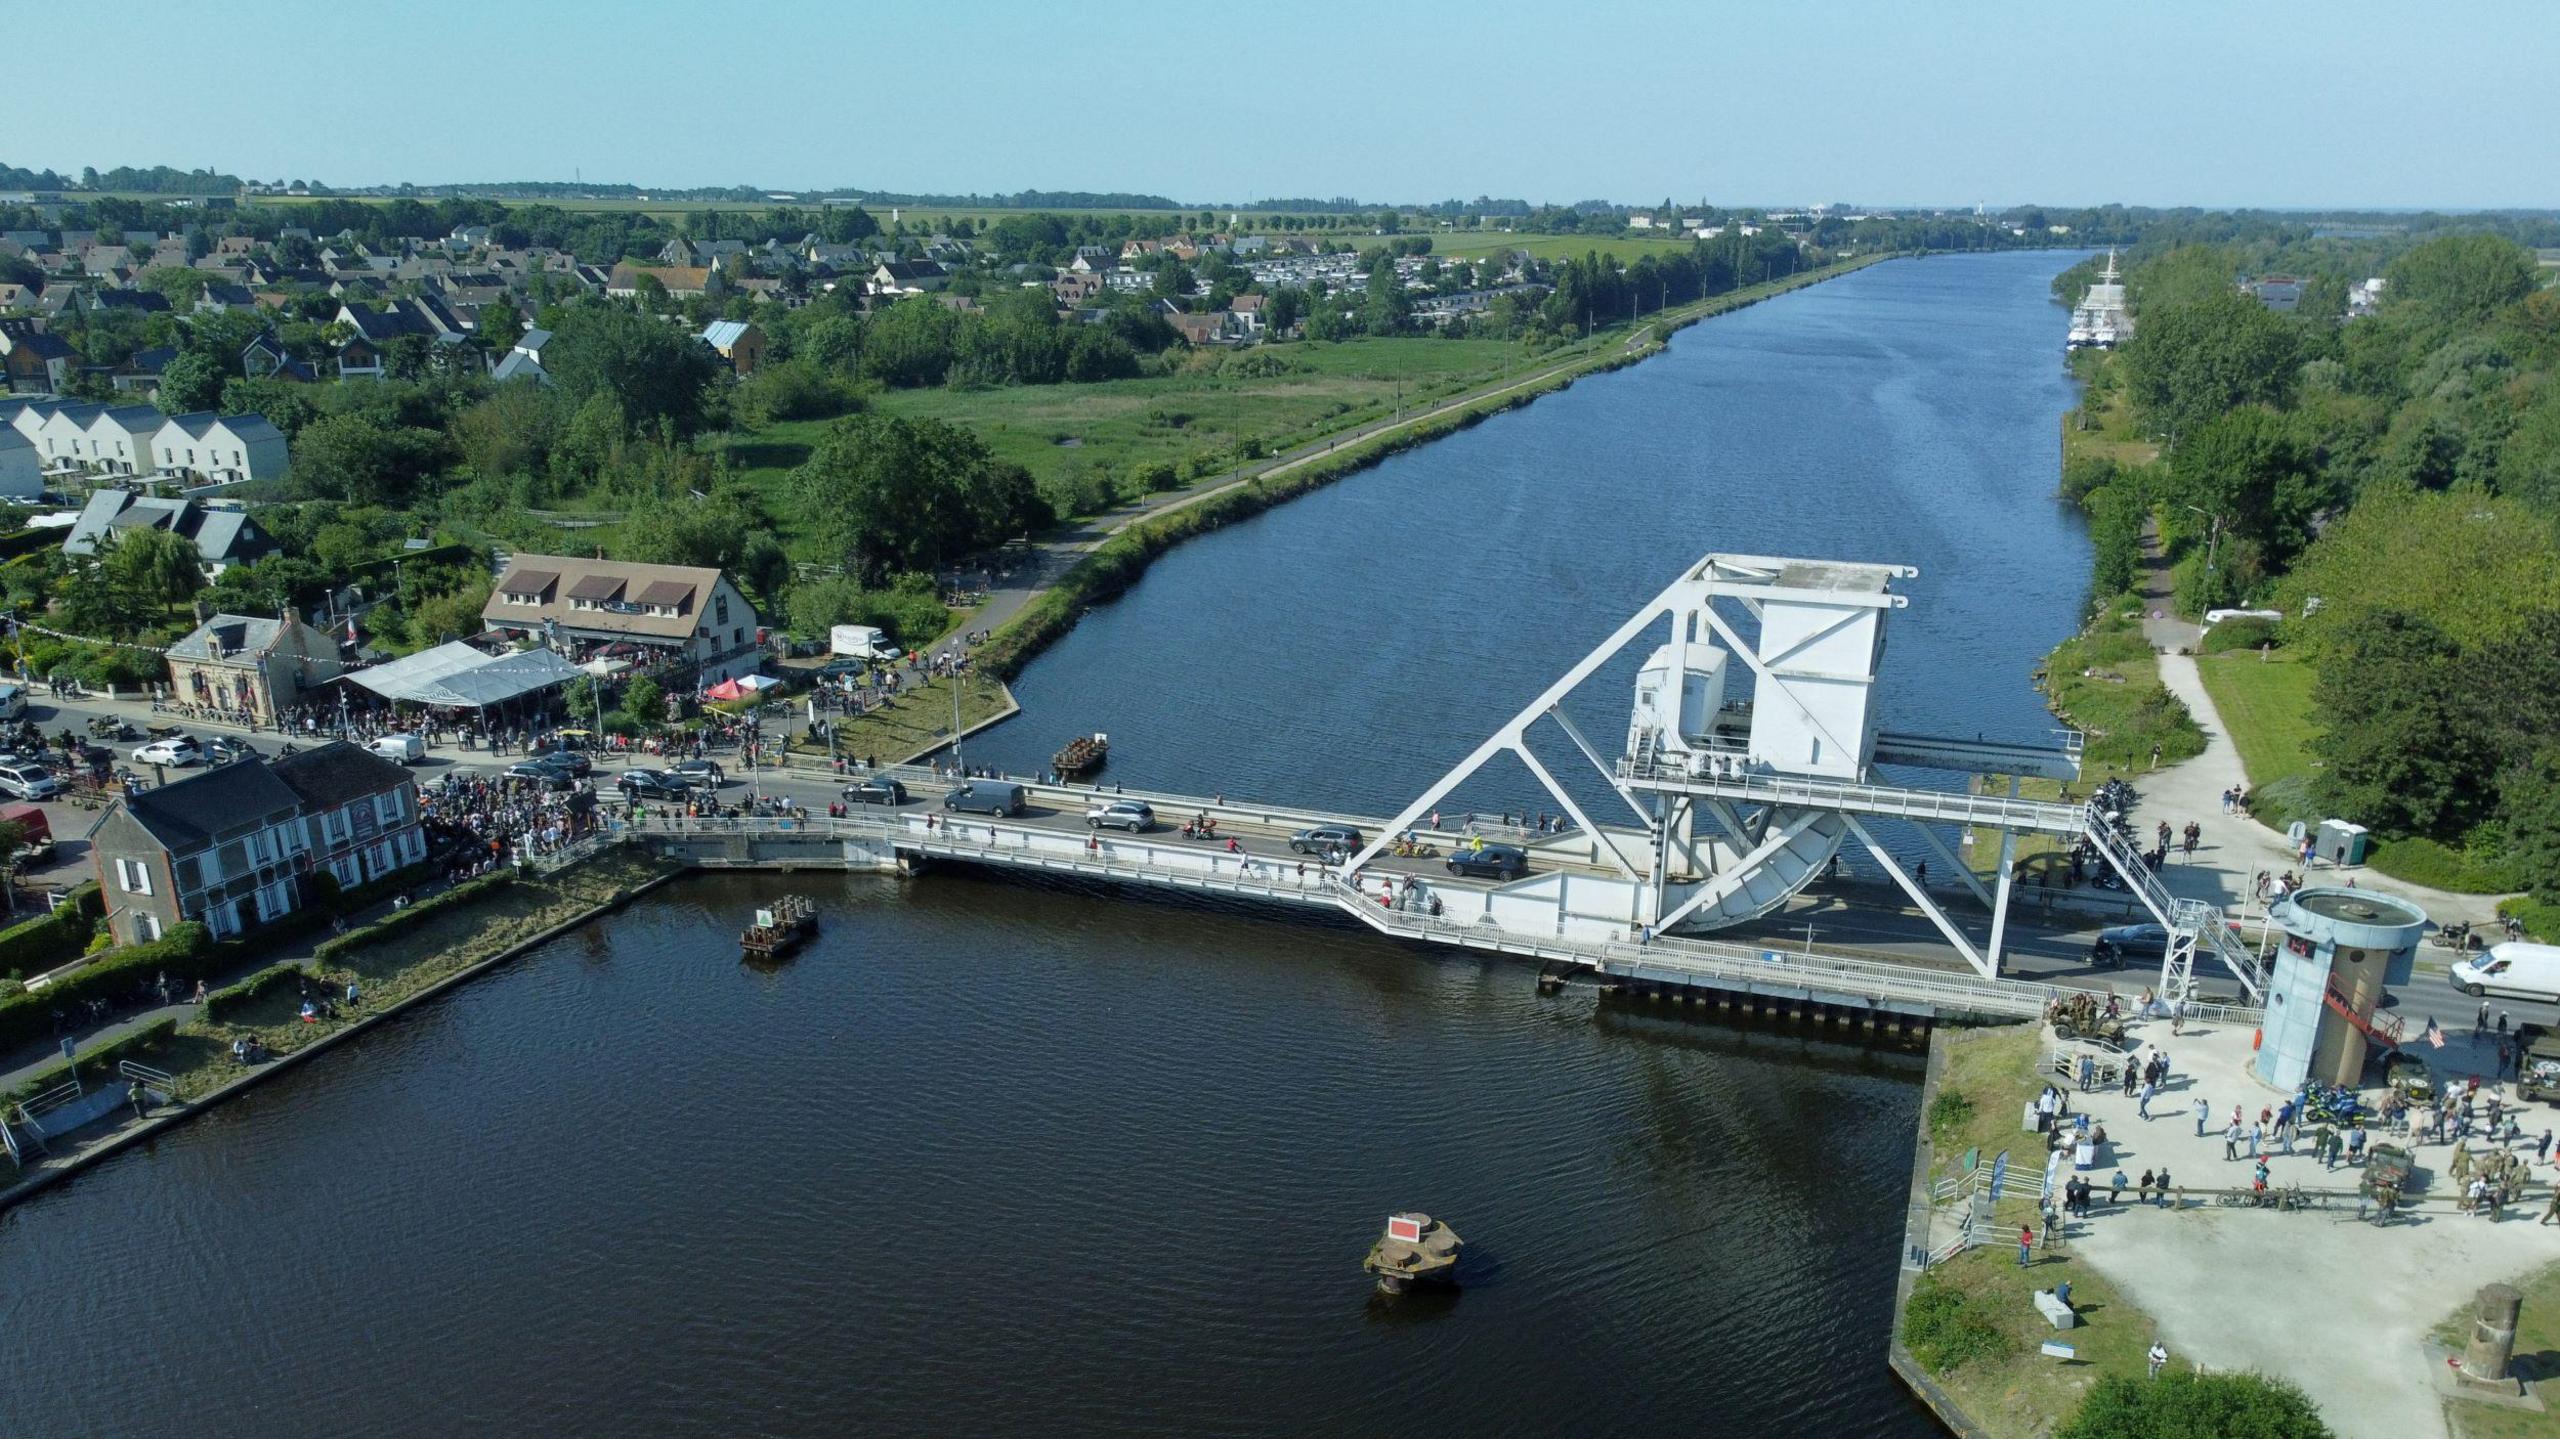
(2435,1034)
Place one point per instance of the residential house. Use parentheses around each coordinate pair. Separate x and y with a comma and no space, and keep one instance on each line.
(14,296)
(223,847)
(736,341)
(21,470)
(1248,312)
(234,247)
(1217,327)
(140,372)
(119,439)
(261,667)
(525,360)
(223,537)
(221,449)
(907,277)
(140,302)
(674,615)
(36,361)
(63,439)
(359,812)
(365,351)
(1129,282)
(2365,297)
(220,298)
(265,357)
(2280,293)
(1075,288)
(682,282)
(1093,259)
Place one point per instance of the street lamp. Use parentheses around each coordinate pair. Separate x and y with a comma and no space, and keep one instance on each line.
(2213,534)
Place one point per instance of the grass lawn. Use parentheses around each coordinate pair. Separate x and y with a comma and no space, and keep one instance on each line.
(1994,1072)
(2115,436)
(2537,1342)
(2266,707)
(2009,1386)
(918,721)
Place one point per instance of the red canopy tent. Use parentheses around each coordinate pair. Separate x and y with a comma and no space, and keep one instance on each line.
(725,690)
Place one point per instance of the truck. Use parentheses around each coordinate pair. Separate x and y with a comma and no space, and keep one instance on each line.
(861,642)
(2538,1061)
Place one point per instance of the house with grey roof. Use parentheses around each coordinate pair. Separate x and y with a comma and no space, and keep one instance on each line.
(21,472)
(223,537)
(222,847)
(212,449)
(120,439)
(247,665)
(524,361)
(360,812)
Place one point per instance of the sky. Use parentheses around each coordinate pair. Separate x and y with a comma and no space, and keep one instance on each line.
(2449,103)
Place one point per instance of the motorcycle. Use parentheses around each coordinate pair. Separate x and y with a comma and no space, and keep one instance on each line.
(1413,849)
(2456,937)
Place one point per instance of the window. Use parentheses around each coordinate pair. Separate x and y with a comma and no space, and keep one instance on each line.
(133,876)
(146,926)
(722,617)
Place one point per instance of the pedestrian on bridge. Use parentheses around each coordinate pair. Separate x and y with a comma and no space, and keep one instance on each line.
(2204,1115)
(2231,1141)
(2163,1200)
(2144,1107)
(2142,1190)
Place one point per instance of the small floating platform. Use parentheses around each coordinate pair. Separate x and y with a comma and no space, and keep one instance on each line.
(1082,755)
(780,928)
(1416,1249)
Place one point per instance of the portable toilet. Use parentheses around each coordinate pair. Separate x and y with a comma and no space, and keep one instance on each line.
(2341,843)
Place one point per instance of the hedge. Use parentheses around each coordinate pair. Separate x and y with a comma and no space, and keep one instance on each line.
(47,940)
(399,919)
(2240,632)
(157,1031)
(255,985)
(186,953)
(2540,917)
(2438,866)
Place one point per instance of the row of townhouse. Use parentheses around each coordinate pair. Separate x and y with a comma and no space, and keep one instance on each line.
(70,437)
(235,847)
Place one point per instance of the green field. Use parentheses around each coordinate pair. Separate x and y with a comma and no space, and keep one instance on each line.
(1468,244)
(1124,424)
(2267,710)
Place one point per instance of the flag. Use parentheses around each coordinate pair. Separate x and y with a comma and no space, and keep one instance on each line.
(2435,1035)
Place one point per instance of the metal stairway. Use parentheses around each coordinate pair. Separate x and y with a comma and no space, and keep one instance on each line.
(2382,1029)
(2201,923)
(1796,845)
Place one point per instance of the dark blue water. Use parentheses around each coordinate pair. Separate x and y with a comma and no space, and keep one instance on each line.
(1343,650)
(994,1158)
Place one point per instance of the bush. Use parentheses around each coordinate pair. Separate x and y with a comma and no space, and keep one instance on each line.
(1945,1332)
(2540,917)
(2194,1406)
(2422,861)
(185,954)
(1949,1112)
(2244,632)
(399,919)
(38,944)
(250,988)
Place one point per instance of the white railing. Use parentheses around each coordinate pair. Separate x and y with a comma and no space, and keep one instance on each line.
(1949,806)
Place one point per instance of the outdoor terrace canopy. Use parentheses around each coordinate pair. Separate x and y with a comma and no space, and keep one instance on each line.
(454,675)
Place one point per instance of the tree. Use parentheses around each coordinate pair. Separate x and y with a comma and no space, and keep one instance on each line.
(448,614)
(356,459)
(891,494)
(644,702)
(1282,310)
(1385,310)
(501,325)
(2195,1406)
(156,567)
(2191,363)
(2461,279)
(2404,746)
(193,381)
(181,286)
(650,369)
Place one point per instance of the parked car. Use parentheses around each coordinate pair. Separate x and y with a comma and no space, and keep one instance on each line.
(1325,838)
(988,796)
(705,773)
(2138,942)
(547,776)
(873,789)
(1126,814)
(653,784)
(177,751)
(400,748)
(28,781)
(1494,861)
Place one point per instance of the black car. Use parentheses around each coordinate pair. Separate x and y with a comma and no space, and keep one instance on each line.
(872,789)
(2122,942)
(652,784)
(1325,839)
(223,749)
(547,776)
(568,760)
(1494,861)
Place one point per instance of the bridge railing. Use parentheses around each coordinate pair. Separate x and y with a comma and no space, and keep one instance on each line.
(1952,806)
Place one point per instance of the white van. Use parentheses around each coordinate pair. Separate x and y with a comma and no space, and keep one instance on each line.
(2516,968)
(13,702)
(403,748)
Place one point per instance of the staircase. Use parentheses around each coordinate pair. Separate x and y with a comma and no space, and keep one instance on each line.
(2204,920)
(2382,1029)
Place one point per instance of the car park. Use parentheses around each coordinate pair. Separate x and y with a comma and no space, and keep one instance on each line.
(1325,839)
(177,751)
(988,796)
(875,789)
(1128,814)
(653,784)
(1492,861)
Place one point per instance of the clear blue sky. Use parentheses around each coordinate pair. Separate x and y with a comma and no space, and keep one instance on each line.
(2448,103)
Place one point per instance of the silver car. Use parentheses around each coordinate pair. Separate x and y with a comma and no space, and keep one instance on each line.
(1126,814)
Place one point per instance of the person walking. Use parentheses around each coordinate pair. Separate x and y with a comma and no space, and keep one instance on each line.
(2144,1107)
(2204,1115)
(2355,1147)
(2257,1136)
(2231,1140)
(2026,1246)
(2159,1358)
(2480,1022)
(2542,1149)
(2550,1211)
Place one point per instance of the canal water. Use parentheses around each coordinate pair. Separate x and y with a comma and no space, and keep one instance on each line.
(996,1157)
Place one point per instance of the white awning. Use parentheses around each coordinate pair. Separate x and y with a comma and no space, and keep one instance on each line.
(457,675)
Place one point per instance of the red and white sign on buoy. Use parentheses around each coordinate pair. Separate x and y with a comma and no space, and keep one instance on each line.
(1407,1227)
